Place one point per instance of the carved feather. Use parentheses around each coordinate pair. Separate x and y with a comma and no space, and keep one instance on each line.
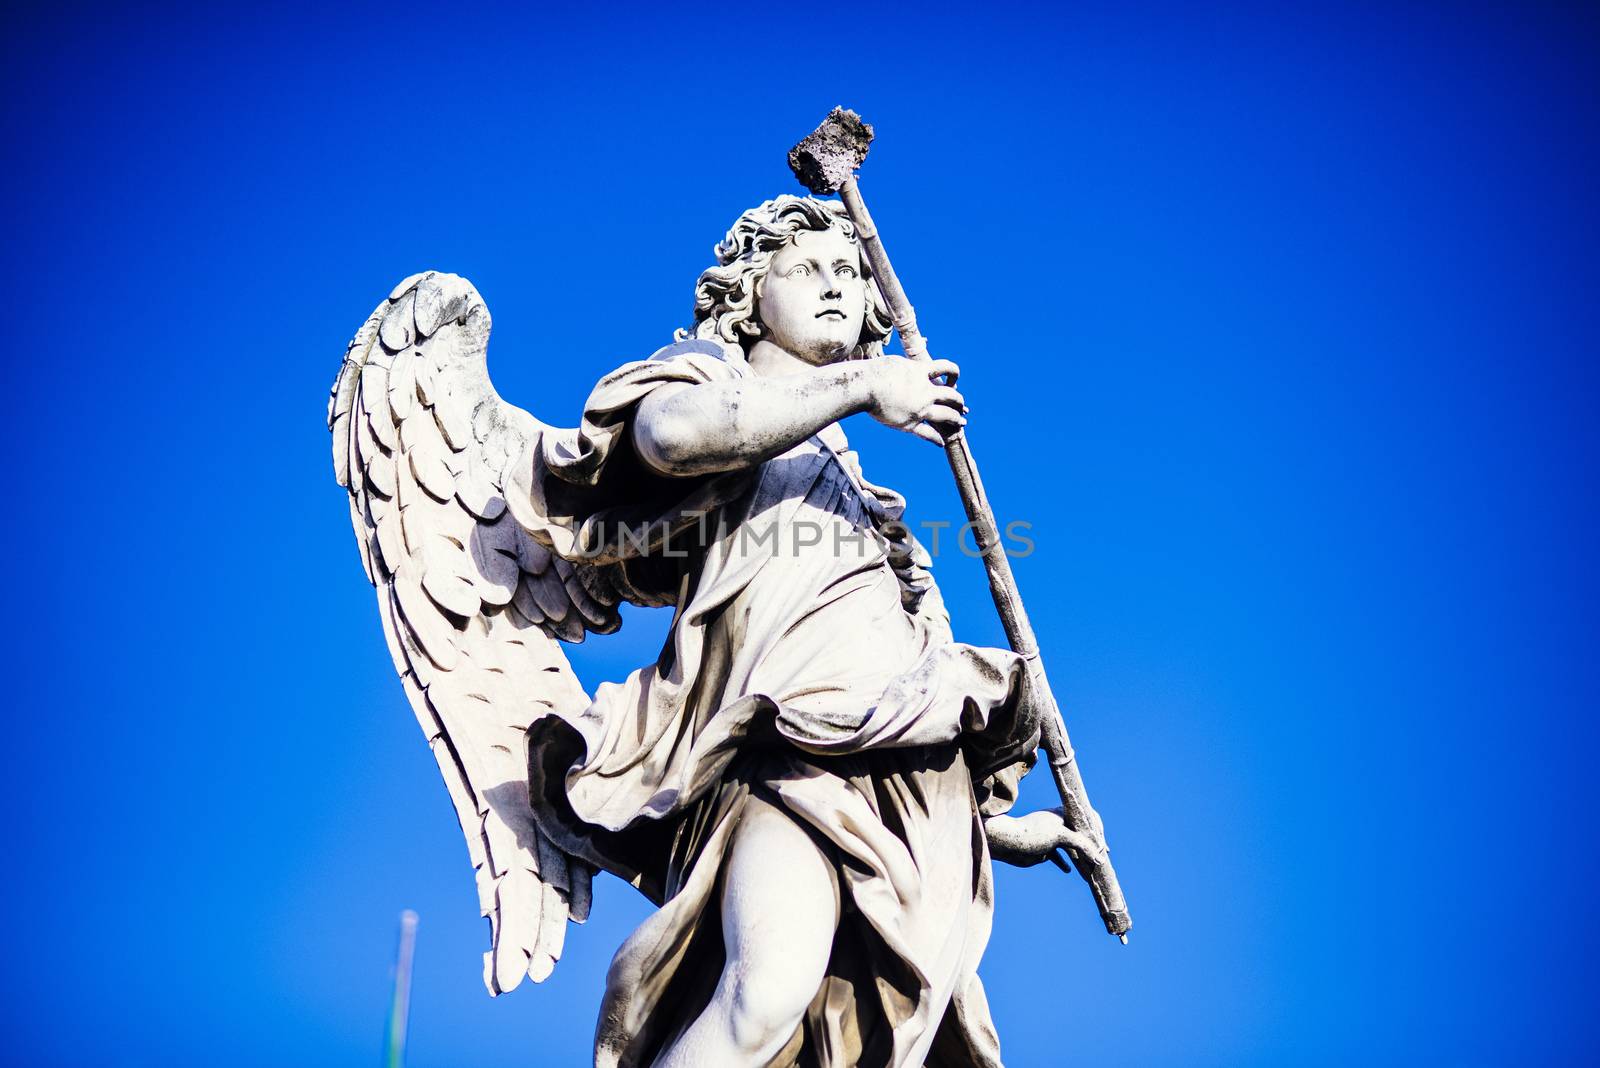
(471,604)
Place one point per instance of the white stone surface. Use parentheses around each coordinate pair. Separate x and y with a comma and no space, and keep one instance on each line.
(800,763)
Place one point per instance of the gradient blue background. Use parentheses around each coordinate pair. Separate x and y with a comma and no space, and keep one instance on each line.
(1280,329)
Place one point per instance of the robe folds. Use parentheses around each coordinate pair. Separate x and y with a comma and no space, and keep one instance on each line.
(809,664)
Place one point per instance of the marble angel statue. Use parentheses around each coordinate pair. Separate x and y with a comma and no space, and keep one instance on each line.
(811,778)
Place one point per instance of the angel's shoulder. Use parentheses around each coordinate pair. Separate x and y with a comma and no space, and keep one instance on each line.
(688,362)
(698,350)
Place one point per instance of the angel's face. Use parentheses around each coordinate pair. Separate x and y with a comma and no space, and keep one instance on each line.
(813,301)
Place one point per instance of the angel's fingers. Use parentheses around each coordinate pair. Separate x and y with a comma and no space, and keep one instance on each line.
(945,417)
(1080,844)
(950,396)
(946,368)
(927,433)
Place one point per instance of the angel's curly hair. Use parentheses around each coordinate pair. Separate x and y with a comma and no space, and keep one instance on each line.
(725,295)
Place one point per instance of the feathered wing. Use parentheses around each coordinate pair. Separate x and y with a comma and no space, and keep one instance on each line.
(471,603)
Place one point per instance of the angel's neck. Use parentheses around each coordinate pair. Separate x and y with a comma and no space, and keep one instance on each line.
(769,359)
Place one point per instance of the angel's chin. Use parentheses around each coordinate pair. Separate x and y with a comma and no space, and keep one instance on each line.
(825,350)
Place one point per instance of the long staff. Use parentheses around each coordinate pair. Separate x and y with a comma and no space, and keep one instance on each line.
(825,162)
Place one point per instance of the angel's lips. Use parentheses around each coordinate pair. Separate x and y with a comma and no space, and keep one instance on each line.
(831,312)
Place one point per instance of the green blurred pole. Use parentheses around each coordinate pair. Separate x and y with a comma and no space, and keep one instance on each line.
(394,1054)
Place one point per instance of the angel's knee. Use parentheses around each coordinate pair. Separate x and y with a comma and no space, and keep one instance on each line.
(764,1006)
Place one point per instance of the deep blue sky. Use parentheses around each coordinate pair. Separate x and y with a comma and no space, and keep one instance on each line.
(1280,329)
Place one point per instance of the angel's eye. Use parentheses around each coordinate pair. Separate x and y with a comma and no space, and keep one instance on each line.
(799,270)
(846,271)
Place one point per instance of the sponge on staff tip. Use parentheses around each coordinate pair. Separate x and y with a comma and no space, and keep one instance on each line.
(831,153)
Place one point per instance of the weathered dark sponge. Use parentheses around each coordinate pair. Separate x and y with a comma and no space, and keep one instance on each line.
(831,152)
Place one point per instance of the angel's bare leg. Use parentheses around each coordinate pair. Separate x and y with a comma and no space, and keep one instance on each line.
(780,906)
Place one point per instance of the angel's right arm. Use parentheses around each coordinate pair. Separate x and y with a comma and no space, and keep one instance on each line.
(683,430)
